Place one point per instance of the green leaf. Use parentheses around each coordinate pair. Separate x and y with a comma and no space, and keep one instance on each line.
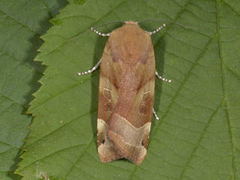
(198,136)
(21,23)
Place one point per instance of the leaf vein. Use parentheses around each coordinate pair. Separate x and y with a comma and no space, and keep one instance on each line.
(61,92)
(55,152)
(184,81)
(231,8)
(18,22)
(225,103)
(77,34)
(79,157)
(58,128)
(188,161)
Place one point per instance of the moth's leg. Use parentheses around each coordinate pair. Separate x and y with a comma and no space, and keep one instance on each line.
(162,78)
(158,29)
(155,114)
(90,70)
(99,33)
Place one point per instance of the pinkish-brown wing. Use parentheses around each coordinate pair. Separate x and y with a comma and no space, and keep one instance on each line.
(108,96)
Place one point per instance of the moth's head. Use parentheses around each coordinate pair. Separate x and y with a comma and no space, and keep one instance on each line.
(131,22)
(134,24)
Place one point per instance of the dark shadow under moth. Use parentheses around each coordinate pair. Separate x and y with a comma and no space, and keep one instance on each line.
(126,94)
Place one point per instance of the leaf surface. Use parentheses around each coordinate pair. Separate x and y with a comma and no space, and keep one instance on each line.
(198,136)
(21,23)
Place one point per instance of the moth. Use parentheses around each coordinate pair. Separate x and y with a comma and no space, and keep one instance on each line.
(126,93)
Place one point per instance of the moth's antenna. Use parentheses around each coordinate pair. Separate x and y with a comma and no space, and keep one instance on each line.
(105,24)
(155,114)
(90,70)
(162,78)
(158,29)
(99,33)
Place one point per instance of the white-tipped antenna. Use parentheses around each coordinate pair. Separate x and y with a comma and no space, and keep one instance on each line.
(155,114)
(99,33)
(162,78)
(90,70)
(158,29)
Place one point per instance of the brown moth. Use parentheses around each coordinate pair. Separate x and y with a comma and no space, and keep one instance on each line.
(126,93)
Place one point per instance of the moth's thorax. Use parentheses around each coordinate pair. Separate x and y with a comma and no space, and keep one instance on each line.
(129,43)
